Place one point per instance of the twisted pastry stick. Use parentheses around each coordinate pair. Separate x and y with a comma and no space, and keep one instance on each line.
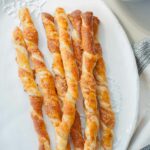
(60,81)
(76,21)
(46,82)
(53,46)
(76,133)
(71,75)
(36,99)
(107,117)
(88,84)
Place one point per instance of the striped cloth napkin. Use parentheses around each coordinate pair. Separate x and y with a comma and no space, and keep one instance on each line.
(141,136)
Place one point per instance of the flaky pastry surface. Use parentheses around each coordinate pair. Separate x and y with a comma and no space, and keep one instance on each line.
(76,22)
(27,78)
(88,84)
(60,81)
(71,76)
(107,118)
(46,81)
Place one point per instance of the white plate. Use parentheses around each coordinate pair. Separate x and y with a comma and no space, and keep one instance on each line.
(16,129)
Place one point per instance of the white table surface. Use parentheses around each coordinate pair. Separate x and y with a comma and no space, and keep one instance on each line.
(134,17)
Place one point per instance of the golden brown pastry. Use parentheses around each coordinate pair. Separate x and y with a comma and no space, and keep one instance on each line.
(29,85)
(88,84)
(45,78)
(71,76)
(59,74)
(76,133)
(53,45)
(107,118)
(76,21)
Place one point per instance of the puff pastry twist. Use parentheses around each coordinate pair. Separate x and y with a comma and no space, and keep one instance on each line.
(76,21)
(53,46)
(71,76)
(28,82)
(46,82)
(107,118)
(88,84)
(60,81)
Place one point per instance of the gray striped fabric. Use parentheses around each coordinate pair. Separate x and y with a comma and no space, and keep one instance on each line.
(146,147)
(142,54)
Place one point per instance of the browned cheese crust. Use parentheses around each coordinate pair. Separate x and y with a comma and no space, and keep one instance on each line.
(27,78)
(60,81)
(45,78)
(76,133)
(76,21)
(107,118)
(53,46)
(88,84)
(71,76)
